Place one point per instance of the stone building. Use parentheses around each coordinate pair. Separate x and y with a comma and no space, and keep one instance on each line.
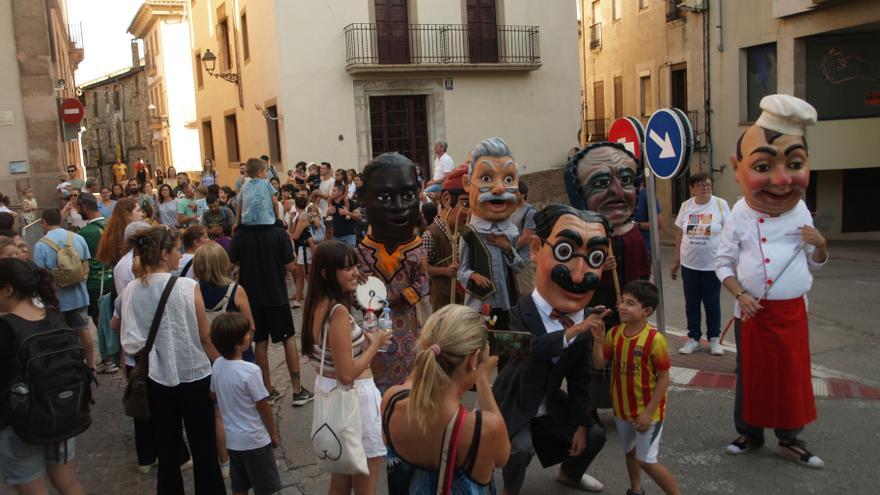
(117,122)
(39,53)
(345,80)
(716,60)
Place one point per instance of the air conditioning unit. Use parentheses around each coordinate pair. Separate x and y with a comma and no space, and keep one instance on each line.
(695,6)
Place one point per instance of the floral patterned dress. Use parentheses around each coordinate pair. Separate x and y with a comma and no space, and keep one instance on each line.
(404,272)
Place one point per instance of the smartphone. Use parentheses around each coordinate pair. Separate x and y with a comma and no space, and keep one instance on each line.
(507,343)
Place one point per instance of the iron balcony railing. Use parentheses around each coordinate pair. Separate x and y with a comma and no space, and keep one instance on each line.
(597,130)
(376,44)
(595,36)
(673,12)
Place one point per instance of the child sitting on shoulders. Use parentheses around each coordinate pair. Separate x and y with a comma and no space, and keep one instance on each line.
(243,403)
(259,206)
(638,355)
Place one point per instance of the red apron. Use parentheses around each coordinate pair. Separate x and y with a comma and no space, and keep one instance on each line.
(774,352)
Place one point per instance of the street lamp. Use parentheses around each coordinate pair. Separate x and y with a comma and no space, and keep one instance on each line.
(209,60)
(161,118)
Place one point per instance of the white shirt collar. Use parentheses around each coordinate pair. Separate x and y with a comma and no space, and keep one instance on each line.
(545,308)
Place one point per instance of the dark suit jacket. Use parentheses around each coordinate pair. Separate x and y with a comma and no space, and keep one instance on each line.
(525,382)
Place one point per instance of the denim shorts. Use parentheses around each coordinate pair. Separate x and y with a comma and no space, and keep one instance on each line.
(78,318)
(22,463)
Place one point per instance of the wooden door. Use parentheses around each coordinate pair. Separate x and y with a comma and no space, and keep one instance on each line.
(482,31)
(392,31)
(400,123)
(599,110)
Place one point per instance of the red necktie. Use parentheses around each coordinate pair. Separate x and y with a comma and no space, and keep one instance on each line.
(562,318)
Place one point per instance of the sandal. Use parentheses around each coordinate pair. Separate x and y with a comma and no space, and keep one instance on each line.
(742,445)
(797,453)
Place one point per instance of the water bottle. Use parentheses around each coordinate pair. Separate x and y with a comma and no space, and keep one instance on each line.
(370,322)
(385,325)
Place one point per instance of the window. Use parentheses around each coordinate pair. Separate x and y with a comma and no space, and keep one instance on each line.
(274,132)
(231,138)
(843,75)
(116,105)
(643,4)
(225,55)
(760,77)
(673,12)
(616,10)
(645,96)
(137,133)
(208,139)
(618,97)
(245,43)
(199,77)
(95,103)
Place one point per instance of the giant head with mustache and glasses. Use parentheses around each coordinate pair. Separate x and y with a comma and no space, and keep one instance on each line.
(569,250)
(605,176)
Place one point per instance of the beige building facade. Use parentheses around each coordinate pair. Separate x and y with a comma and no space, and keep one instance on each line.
(163,25)
(39,53)
(639,56)
(718,58)
(826,53)
(344,80)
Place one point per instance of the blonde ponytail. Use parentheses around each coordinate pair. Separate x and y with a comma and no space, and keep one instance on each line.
(449,336)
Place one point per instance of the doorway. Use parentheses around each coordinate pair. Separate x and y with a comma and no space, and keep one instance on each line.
(400,123)
(482,31)
(392,31)
(678,99)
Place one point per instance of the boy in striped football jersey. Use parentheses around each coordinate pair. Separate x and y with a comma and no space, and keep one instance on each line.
(639,381)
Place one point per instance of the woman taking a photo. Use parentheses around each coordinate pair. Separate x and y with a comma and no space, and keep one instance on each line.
(332,283)
(22,465)
(167,206)
(112,245)
(453,356)
(180,361)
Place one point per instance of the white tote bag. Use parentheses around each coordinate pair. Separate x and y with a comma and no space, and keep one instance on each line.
(337,433)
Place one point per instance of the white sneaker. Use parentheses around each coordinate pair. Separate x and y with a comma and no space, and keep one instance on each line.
(145,468)
(186,465)
(715,347)
(689,347)
(224,469)
(586,483)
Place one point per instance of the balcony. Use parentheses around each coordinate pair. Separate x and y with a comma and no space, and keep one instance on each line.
(596,36)
(371,47)
(674,12)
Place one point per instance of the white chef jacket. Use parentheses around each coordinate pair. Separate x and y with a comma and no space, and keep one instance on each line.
(756,247)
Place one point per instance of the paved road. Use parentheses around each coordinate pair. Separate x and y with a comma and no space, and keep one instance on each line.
(843,309)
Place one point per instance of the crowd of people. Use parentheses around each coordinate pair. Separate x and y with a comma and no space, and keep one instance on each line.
(186,284)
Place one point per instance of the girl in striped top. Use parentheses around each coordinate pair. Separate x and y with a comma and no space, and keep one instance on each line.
(348,352)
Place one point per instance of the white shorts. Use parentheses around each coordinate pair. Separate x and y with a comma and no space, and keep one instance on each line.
(371,418)
(303,255)
(647,444)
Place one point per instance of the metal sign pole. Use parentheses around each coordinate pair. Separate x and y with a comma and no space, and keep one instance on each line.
(655,247)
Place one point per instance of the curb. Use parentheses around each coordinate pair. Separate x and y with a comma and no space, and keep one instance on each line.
(831,388)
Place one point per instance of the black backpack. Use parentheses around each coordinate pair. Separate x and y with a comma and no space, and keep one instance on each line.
(50,396)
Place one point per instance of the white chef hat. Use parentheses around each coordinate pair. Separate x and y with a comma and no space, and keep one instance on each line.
(786,114)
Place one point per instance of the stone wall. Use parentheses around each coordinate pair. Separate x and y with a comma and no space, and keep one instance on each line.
(546,187)
(105,117)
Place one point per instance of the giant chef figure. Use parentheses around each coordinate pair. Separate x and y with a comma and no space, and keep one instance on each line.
(767,249)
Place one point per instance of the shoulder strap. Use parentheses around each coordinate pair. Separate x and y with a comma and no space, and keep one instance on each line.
(49,242)
(720,209)
(449,452)
(157,319)
(389,409)
(471,457)
(221,306)
(186,267)
(324,330)
(69,239)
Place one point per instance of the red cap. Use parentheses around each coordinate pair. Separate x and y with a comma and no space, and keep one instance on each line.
(455,179)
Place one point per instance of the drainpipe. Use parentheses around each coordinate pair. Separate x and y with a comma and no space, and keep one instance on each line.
(719,40)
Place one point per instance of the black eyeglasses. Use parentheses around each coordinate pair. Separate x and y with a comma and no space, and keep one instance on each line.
(564,251)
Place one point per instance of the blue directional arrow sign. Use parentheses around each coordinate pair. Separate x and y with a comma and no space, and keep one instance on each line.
(668,142)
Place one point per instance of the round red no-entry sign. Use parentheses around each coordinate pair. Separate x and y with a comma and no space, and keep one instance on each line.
(72,111)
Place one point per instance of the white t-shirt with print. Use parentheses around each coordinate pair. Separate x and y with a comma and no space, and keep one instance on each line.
(701,231)
(239,386)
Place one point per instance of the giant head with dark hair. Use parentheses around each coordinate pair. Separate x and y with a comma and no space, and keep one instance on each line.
(569,249)
(391,196)
(604,177)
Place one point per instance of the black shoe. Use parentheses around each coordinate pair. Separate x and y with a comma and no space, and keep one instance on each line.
(630,492)
(274,395)
(742,445)
(302,397)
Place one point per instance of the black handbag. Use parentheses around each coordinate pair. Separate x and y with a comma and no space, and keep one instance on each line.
(135,399)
